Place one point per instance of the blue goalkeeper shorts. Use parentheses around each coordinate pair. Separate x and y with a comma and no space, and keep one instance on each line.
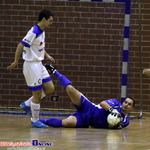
(84,113)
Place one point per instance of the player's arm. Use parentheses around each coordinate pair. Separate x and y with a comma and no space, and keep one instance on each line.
(109,108)
(50,58)
(105,105)
(113,111)
(108,105)
(146,72)
(17,56)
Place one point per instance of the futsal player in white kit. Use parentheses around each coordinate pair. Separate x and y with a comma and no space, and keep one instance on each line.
(32,47)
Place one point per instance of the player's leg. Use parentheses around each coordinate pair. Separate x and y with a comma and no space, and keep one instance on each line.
(27,104)
(48,88)
(33,76)
(35,105)
(74,94)
(69,122)
(35,109)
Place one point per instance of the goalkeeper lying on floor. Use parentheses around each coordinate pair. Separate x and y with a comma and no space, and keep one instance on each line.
(89,114)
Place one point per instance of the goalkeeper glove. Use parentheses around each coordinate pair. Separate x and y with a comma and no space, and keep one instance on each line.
(114,112)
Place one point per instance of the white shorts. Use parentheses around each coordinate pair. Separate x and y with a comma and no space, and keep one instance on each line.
(35,75)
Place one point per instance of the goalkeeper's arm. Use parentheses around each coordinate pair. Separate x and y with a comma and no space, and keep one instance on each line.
(105,105)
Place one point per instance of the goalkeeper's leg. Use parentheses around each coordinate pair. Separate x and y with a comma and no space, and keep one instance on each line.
(74,94)
(71,121)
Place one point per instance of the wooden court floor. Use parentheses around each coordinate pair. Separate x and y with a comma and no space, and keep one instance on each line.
(16,128)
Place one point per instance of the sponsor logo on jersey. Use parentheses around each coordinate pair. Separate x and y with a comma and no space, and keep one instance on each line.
(41,43)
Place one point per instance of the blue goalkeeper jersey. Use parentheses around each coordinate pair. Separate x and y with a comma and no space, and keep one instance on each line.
(89,114)
(99,115)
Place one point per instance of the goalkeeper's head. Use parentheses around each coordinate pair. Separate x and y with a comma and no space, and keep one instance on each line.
(128,105)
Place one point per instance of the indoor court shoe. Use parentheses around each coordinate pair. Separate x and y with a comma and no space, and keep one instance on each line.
(39,124)
(25,108)
(50,68)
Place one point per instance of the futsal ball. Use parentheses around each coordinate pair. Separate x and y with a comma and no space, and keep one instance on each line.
(113,119)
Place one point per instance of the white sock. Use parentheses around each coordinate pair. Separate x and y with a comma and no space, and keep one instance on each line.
(28,102)
(35,109)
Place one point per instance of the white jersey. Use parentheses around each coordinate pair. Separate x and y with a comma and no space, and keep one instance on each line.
(34,44)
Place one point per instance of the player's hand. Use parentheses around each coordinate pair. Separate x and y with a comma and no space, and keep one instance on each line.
(118,126)
(114,112)
(146,72)
(13,65)
(116,115)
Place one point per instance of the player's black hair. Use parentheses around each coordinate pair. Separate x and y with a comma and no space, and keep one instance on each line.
(132,100)
(45,14)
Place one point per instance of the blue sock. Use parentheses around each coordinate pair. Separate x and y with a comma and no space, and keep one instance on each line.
(57,74)
(43,120)
(52,122)
(63,80)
